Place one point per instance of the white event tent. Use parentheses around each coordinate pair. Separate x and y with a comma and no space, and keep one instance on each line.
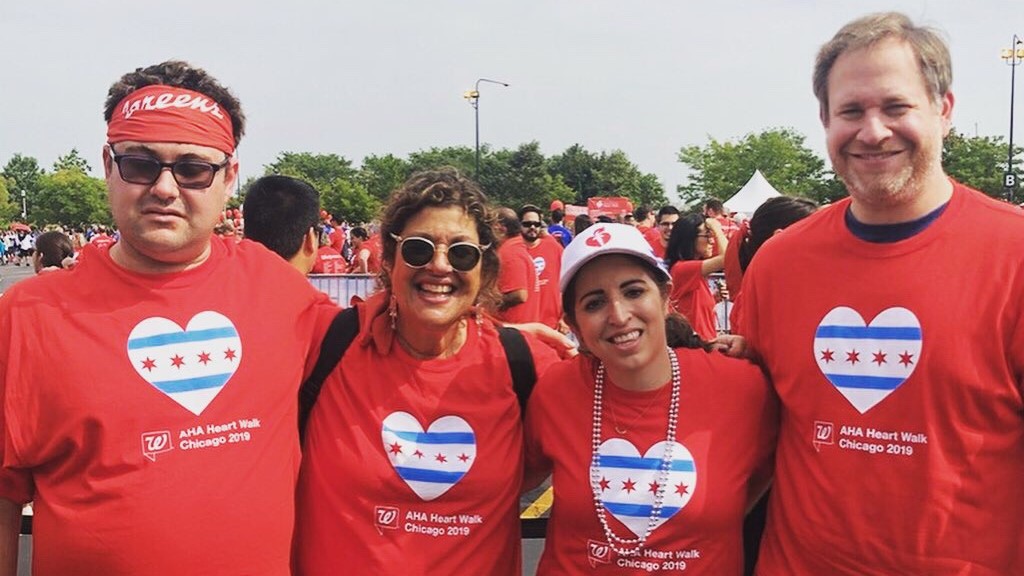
(752,195)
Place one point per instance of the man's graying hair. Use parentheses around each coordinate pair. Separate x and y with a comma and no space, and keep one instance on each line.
(932,53)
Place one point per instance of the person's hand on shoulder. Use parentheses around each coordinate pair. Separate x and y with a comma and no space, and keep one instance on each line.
(559,342)
(732,345)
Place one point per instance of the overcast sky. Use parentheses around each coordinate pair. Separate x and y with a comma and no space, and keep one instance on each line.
(377,77)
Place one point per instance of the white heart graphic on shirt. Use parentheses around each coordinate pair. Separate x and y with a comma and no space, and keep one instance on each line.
(190,366)
(432,461)
(867,362)
(628,482)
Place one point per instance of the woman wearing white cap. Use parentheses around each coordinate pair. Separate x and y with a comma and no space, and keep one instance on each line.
(656,446)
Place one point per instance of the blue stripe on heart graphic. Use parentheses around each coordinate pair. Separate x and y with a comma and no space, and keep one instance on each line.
(430,462)
(866,362)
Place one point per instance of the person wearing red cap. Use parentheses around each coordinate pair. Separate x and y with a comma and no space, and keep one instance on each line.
(556,229)
(149,393)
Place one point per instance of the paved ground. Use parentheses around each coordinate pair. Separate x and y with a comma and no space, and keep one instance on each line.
(11,275)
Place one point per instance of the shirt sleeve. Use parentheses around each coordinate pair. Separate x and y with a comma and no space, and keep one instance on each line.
(15,483)
(513,274)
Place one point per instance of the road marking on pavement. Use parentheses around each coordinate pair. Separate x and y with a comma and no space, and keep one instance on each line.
(540,505)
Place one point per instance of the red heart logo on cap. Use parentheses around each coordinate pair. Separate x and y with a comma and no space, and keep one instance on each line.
(599,238)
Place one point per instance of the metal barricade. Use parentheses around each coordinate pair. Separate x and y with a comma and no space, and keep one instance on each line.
(342,287)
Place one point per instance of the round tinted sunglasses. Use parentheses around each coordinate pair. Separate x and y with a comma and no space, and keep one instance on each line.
(192,174)
(417,252)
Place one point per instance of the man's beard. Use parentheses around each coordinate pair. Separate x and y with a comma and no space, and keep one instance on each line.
(888,188)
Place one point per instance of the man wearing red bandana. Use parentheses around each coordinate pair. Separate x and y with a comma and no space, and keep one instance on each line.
(149,394)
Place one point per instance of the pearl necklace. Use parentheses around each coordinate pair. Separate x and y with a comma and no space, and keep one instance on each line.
(633,546)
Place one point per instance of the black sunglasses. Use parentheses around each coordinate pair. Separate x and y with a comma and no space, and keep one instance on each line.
(417,252)
(189,173)
(531,224)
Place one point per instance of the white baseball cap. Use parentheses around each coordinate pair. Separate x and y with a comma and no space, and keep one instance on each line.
(603,239)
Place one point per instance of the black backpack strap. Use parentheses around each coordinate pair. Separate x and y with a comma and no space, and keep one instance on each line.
(520,363)
(524,376)
(339,336)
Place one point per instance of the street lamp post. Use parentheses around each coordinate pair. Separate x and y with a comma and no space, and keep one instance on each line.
(1013,57)
(24,212)
(474,100)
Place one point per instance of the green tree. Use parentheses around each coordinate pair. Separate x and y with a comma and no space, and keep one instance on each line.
(10,208)
(317,169)
(979,161)
(380,175)
(516,177)
(719,169)
(616,175)
(70,197)
(72,161)
(461,158)
(828,190)
(351,201)
(334,178)
(578,168)
(23,174)
(605,174)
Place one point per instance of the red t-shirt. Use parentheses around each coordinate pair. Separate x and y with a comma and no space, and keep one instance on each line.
(656,245)
(725,436)
(653,237)
(547,260)
(899,367)
(413,466)
(337,238)
(691,296)
(651,234)
(155,428)
(729,227)
(518,273)
(329,261)
(374,249)
(101,241)
(733,272)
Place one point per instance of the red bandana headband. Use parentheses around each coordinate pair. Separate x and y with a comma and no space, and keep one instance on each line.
(160,113)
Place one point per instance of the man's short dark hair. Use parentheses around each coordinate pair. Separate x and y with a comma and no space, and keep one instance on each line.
(557,215)
(666,210)
(180,75)
(641,212)
(508,218)
(360,232)
(531,208)
(715,205)
(279,211)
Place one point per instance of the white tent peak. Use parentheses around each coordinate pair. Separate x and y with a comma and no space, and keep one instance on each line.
(752,195)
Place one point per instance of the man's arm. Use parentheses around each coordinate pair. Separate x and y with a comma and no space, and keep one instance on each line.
(557,341)
(362,262)
(513,298)
(10,527)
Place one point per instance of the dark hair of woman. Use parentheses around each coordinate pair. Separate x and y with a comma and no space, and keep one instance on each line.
(581,223)
(53,247)
(442,188)
(776,213)
(682,242)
